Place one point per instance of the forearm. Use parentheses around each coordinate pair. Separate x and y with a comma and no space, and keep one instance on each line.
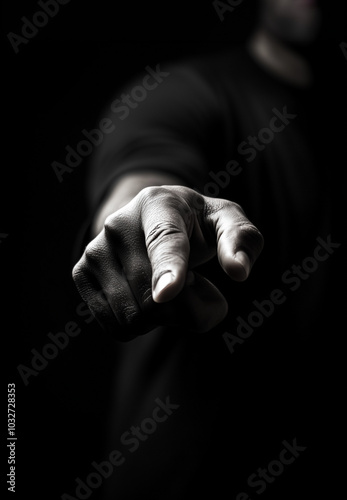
(125,189)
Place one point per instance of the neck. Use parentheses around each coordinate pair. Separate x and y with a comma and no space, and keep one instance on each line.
(280,58)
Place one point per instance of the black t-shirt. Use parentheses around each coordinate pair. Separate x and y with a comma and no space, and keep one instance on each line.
(232,129)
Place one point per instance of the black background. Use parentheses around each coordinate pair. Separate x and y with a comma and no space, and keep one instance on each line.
(53,88)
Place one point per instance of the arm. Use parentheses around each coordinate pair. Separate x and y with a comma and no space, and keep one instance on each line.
(125,189)
(152,230)
(175,134)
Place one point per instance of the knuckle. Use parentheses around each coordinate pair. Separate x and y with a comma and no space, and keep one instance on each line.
(236,207)
(98,303)
(80,273)
(237,212)
(115,223)
(160,231)
(150,192)
(158,196)
(77,271)
(126,310)
(111,230)
(120,232)
(91,254)
(81,280)
(130,316)
(108,226)
(167,244)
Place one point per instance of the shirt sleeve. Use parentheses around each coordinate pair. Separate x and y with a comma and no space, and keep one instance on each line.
(172,128)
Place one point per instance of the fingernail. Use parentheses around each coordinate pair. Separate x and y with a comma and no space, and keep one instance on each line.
(243,259)
(162,283)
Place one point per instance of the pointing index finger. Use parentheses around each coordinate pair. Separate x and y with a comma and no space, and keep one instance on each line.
(167,243)
(239,242)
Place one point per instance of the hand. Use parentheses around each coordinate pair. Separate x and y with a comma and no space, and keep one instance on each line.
(137,273)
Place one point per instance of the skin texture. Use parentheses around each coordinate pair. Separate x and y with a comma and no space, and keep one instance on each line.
(137,273)
(151,231)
